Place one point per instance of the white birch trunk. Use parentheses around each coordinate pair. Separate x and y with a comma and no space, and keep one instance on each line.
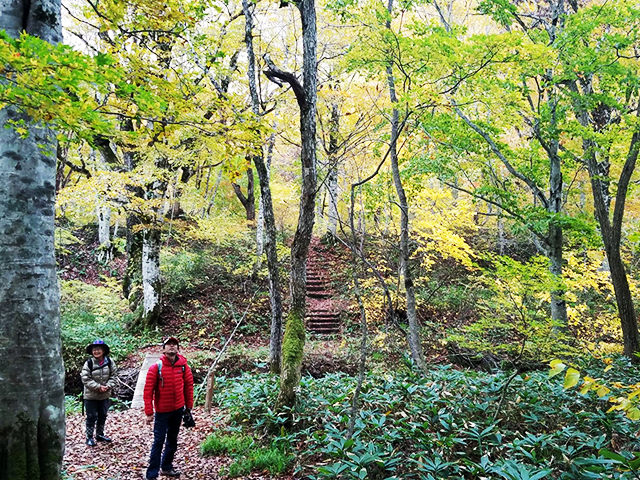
(104,234)
(332,193)
(151,280)
(260,235)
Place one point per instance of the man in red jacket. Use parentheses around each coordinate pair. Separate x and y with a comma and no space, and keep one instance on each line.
(168,388)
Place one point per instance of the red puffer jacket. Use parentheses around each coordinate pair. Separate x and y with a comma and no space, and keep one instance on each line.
(173,391)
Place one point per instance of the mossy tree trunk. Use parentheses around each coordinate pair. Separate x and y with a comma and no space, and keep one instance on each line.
(306,97)
(32,422)
(151,279)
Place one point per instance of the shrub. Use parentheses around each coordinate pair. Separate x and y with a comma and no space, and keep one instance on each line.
(451,423)
(217,443)
(88,312)
(247,455)
(183,271)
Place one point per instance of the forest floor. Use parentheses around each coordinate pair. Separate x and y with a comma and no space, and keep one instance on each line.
(126,458)
(202,317)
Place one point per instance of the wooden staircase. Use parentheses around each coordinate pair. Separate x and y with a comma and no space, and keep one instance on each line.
(323,314)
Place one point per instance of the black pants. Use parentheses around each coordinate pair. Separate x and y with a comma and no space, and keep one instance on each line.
(166,426)
(96,412)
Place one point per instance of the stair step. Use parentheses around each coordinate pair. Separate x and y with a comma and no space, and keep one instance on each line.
(324,331)
(325,321)
(317,280)
(319,294)
(329,316)
(318,288)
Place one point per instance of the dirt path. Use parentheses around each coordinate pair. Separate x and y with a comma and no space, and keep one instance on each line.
(126,458)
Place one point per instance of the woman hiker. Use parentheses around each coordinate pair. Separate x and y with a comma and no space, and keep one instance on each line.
(98,377)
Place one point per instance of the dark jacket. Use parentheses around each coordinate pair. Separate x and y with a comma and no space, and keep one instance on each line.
(171,392)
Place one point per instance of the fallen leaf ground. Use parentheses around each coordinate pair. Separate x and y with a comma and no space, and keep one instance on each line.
(126,458)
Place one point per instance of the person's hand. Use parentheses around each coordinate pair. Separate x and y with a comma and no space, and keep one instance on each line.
(149,419)
(104,388)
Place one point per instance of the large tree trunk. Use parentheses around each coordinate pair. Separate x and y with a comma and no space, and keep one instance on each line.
(104,233)
(32,422)
(132,280)
(413,336)
(266,203)
(294,337)
(151,280)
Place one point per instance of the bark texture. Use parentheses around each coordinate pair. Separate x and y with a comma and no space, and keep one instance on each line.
(306,96)
(105,251)
(151,279)
(266,209)
(32,423)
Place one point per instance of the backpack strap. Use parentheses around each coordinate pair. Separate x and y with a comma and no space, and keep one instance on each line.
(159,364)
(91,369)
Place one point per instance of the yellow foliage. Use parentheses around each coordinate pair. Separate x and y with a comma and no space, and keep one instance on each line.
(219,229)
(438,220)
(583,274)
(101,301)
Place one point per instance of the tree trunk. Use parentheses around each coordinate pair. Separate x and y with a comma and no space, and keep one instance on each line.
(294,337)
(611,226)
(319,220)
(611,231)
(555,233)
(259,236)
(104,233)
(132,280)
(413,336)
(248,201)
(260,227)
(332,193)
(151,280)
(332,175)
(262,169)
(32,417)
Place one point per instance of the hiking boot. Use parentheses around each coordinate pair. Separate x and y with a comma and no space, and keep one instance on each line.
(102,438)
(172,472)
(91,442)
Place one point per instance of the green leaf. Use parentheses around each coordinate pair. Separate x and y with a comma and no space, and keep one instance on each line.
(556,367)
(634,413)
(635,463)
(571,378)
(612,456)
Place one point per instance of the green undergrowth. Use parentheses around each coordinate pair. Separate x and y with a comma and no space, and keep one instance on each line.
(88,312)
(248,456)
(451,424)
